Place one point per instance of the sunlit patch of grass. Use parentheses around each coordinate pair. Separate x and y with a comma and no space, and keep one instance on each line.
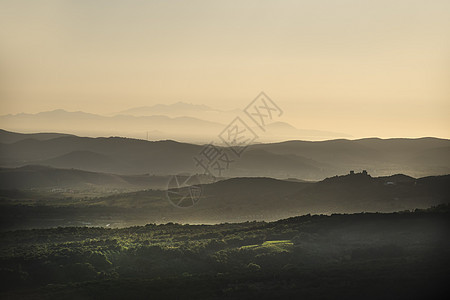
(278,242)
(271,246)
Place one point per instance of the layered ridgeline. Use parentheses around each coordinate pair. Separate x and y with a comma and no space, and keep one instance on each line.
(300,159)
(229,200)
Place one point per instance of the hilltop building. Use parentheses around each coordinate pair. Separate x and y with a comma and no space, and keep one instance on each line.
(364,172)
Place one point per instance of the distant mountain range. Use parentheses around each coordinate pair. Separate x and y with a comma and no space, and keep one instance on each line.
(81,123)
(299,159)
(176,109)
(179,121)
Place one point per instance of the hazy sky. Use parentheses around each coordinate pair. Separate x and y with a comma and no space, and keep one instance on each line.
(367,68)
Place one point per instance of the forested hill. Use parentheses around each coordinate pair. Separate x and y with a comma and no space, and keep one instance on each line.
(360,256)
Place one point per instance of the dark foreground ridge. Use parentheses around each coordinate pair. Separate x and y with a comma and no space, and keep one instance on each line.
(401,255)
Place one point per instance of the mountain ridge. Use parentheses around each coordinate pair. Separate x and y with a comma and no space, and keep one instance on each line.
(309,160)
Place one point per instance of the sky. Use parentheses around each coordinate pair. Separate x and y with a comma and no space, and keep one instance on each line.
(366,68)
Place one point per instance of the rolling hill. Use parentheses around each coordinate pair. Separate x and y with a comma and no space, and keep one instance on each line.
(8,137)
(229,200)
(41,178)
